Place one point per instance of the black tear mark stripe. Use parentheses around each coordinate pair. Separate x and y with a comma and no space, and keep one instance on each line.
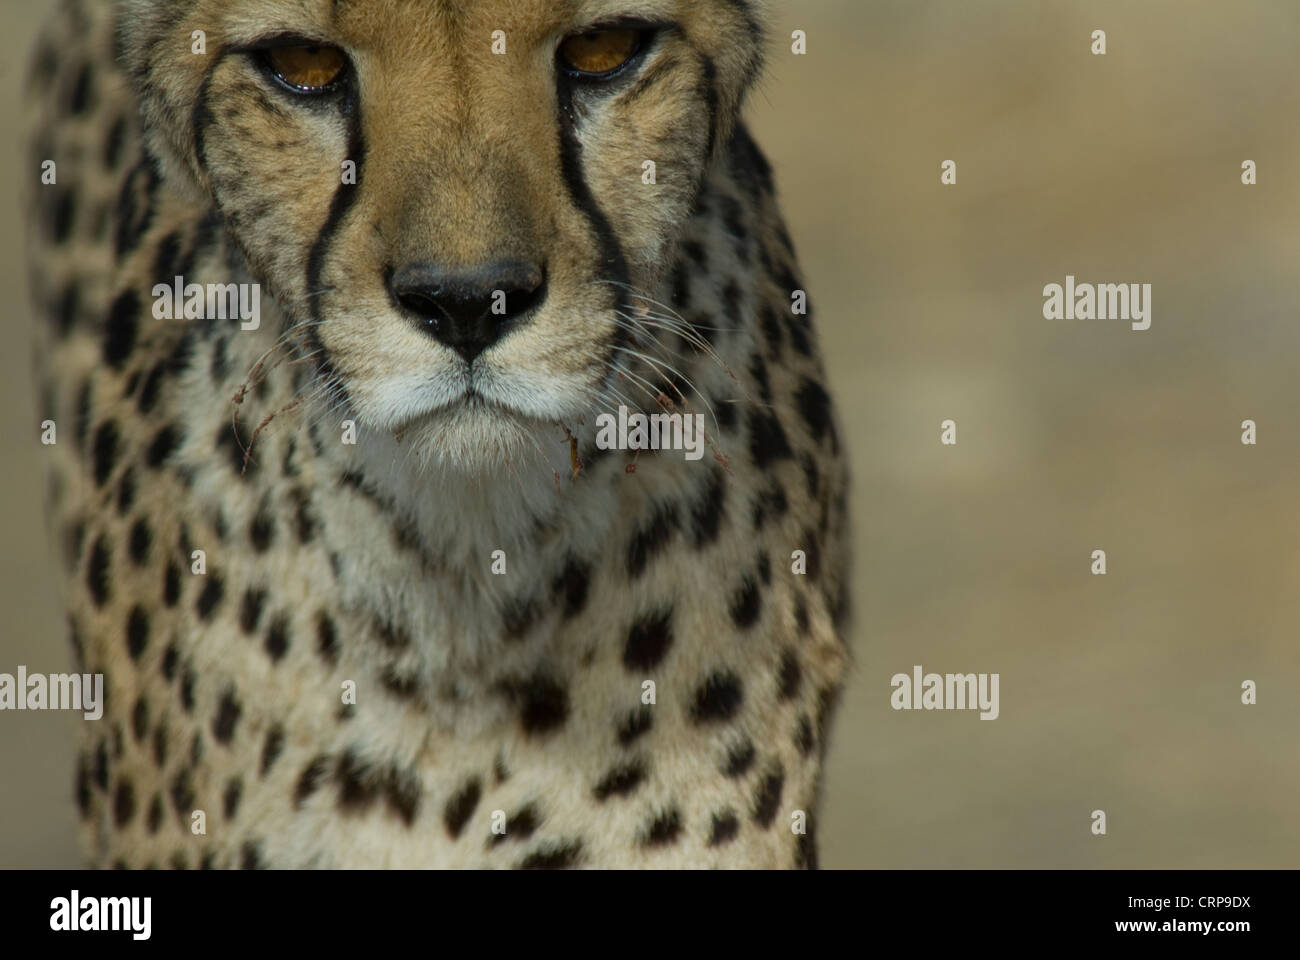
(613,261)
(345,195)
(202,115)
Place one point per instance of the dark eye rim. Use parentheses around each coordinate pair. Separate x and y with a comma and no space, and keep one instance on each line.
(261,55)
(647,34)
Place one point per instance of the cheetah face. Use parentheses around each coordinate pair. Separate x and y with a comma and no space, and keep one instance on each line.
(450,198)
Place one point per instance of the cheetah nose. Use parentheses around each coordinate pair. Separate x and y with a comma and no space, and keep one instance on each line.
(467,310)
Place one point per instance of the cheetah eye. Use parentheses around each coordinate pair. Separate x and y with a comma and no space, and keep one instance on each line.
(307,69)
(598,54)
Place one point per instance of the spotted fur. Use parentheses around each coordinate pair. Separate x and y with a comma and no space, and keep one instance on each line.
(482,700)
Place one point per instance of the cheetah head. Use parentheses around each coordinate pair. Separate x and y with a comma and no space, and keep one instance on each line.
(450,199)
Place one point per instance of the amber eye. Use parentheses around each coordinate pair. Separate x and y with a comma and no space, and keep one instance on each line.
(309,69)
(599,52)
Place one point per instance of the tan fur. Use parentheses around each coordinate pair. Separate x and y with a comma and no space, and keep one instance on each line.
(476,692)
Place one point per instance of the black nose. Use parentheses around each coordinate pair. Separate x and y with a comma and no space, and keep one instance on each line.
(467,310)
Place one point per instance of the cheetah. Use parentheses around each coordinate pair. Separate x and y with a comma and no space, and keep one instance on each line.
(365,589)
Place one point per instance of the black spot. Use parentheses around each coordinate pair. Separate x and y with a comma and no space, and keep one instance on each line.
(650,540)
(310,779)
(305,524)
(213,590)
(718,698)
(104,451)
(220,361)
(553,857)
(826,700)
(126,491)
(790,676)
(140,718)
(739,759)
(517,618)
(250,857)
(811,475)
(570,587)
(815,407)
(140,540)
(187,689)
(137,631)
(277,637)
(648,641)
(770,503)
(120,329)
(233,441)
(160,745)
(250,609)
(356,783)
(113,141)
(707,511)
(97,571)
(152,386)
(228,712)
(166,264)
(402,793)
(163,444)
(804,740)
(768,797)
(621,780)
(230,798)
(169,661)
(767,439)
(402,686)
(81,426)
(725,827)
(135,206)
(771,328)
(123,803)
(543,703)
(758,370)
(746,604)
(681,281)
(519,827)
(461,807)
(664,829)
(327,638)
(155,815)
(271,748)
(67,311)
(724,411)
(171,585)
(636,724)
(82,89)
(182,792)
(261,531)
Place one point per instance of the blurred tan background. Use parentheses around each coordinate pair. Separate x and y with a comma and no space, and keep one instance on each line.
(1120,692)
